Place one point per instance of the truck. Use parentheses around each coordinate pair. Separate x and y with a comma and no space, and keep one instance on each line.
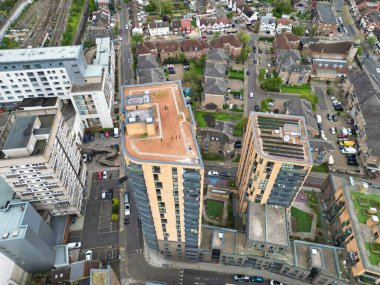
(347,143)
(349,150)
(116,132)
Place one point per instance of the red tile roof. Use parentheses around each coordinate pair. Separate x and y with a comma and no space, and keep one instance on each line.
(170,46)
(185,23)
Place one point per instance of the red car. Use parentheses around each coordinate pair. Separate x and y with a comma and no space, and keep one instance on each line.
(204,37)
(107,134)
(341,136)
(100,175)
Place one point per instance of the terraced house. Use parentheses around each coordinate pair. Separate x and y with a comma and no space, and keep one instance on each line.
(165,167)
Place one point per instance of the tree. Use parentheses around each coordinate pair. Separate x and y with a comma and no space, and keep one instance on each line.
(91,6)
(360,51)
(244,38)
(137,39)
(230,15)
(272,84)
(166,7)
(298,30)
(282,7)
(153,6)
(216,35)
(372,40)
(245,50)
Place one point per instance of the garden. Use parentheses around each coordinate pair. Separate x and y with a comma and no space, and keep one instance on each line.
(236,74)
(302,220)
(75,14)
(363,203)
(214,209)
(297,89)
(207,119)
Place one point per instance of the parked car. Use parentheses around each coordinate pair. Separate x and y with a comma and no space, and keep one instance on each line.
(89,255)
(352,162)
(254,61)
(335,118)
(257,279)
(84,156)
(237,144)
(126,220)
(126,198)
(104,195)
(213,173)
(274,282)
(339,108)
(333,130)
(100,175)
(342,136)
(241,278)
(329,117)
(350,150)
(224,174)
(323,135)
(257,108)
(104,173)
(270,104)
(89,158)
(101,134)
(74,245)
(110,194)
(92,137)
(127,210)
(319,126)
(248,72)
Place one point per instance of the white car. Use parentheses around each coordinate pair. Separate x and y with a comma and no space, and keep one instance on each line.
(333,98)
(127,210)
(89,255)
(333,130)
(105,174)
(270,104)
(74,245)
(378,70)
(104,194)
(213,173)
(84,156)
(126,27)
(129,60)
(323,136)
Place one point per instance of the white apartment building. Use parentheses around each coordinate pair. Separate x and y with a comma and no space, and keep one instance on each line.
(267,24)
(158,28)
(54,71)
(40,160)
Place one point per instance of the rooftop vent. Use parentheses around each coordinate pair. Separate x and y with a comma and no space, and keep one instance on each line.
(5,235)
(15,233)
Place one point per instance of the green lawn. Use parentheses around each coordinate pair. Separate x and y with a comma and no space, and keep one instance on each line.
(212,156)
(362,218)
(238,129)
(313,99)
(374,258)
(237,158)
(236,74)
(324,167)
(218,116)
(298,89)
(214,208)
(303,220)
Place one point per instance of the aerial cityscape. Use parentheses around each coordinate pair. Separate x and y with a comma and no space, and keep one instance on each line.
(189,142)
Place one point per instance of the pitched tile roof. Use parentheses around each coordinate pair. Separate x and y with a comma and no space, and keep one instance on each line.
(215,86)
(169,46)
(215,69)
(191,45)
(185,23)
(336,47)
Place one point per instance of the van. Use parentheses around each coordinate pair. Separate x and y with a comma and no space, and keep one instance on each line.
(319,119)
(116,132)
(349,150)
(251,95)
(347,143)
(344,131)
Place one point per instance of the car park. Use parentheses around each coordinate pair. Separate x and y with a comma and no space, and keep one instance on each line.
(89,255)
(73,245)
(241,278)
(100,175)
(104,173)
(213,173)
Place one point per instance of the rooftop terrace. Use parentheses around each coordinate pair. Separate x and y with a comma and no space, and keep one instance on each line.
(10,221)
(268,224)
(157,124)
(281,137)
(363,203)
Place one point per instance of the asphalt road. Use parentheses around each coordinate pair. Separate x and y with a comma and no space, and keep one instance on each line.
(126,70)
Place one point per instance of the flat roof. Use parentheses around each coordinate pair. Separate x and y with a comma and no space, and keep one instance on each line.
(11,221)
(174,139)
(103,51)
(99,276)
(39,54)
(267,224)
(368,193)
(325,13)
(20,133)
(281,137)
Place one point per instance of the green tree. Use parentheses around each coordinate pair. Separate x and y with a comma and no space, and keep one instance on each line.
(216,35)
(153,6)
(230,15)
(282,7)
(298,30)
(244,38)
(360,51)
(137,39)
(372,40)
(272,84)
(91,6)
(166,7)
(244,53)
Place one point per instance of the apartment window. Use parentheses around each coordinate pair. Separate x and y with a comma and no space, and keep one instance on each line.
(174,171)
(164,221)
(156,169)
(158,192)
(161,204)
(26,66)
(260,161)
(37,65)
(155,176)
(162,216)
(158,185)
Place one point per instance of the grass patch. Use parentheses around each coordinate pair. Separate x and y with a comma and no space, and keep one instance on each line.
(114,217)
(212,156)
(261,74)
(217,116)
(239,127)
(236,74)
(297,89)
(214,208)
(8,43)
(237,158)
(359,209)
(264,104)
(231,218)
(313,99)
(321,168)
(75,14)
(303,220)
(374,258)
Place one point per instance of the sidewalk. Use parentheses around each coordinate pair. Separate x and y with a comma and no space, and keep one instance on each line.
(154,258)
